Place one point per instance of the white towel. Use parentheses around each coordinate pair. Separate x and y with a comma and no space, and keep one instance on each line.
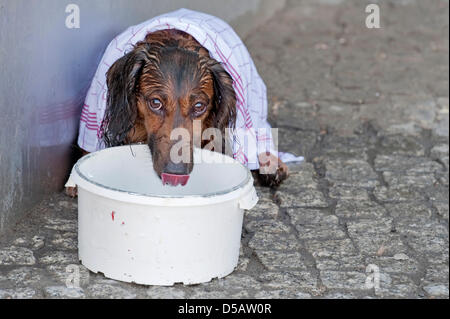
(253,133)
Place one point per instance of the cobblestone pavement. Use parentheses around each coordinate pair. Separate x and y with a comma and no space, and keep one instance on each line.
(369,110)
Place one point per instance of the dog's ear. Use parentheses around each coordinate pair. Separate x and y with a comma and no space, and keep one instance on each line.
(121,110)
(224,109)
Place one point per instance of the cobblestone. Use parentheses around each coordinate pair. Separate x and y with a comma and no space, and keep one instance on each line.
(16,256)
(301,198)
(351,172)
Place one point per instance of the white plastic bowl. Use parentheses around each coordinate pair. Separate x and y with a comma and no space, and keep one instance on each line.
(134,229)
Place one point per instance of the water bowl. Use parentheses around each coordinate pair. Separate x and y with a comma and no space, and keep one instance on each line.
(133,228)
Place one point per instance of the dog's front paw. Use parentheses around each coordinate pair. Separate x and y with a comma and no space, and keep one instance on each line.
(70,188)
(272,171)
(71,191)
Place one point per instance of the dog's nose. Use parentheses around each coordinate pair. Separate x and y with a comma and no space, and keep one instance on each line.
(176,168)
(174,174)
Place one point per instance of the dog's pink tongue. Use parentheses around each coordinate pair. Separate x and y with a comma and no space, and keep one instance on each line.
(174,179)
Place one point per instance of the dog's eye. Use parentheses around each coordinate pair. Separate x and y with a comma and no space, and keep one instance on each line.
(199,108)
(155,104)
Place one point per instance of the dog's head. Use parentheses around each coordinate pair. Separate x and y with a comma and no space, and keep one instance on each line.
(156,92)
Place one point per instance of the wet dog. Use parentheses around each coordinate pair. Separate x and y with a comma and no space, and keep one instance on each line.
(167,82)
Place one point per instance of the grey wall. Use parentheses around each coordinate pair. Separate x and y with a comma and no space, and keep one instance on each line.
(45,70)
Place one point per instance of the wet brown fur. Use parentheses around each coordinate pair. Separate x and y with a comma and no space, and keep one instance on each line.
(172,66)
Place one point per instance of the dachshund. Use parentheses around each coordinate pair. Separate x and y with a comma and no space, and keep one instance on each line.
(166,82)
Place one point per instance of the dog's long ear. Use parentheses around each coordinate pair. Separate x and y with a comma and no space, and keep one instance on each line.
(121,109)
(224,110)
